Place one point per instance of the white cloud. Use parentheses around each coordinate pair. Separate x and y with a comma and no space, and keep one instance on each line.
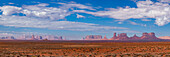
(145,20)
(6,34)
(9,10)
(120,22)
(133,23)
(73,4)
(143,25)
(42,11)
(42,4)
(162,20)
(41,16)
(80,16)
(168,1)
(10,3)
(22,21)
(145,9)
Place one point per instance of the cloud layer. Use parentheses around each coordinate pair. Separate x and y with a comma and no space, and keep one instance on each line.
(145,9)
(23,21)
(43,11)
(43,16)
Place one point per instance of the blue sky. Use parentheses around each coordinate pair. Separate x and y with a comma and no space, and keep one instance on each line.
(74,19)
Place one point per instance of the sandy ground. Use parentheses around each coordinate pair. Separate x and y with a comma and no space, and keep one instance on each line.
(83,49)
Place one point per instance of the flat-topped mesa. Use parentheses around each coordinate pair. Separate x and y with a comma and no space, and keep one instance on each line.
(93,37)
(114,37)
(144,35)
(122,36)
(148,36)
(152,34)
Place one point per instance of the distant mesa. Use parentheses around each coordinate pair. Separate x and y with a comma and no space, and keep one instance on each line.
(8,38)
(149,36)
(93,37)
(123,36)
(47,37)
(105,38)
(32,37)
(164,37)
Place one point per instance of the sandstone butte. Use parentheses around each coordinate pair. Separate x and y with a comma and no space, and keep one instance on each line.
(123,36)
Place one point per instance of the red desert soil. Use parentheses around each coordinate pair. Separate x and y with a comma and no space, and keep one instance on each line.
(83,49)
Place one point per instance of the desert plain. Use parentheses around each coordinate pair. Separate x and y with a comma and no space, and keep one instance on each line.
(17,48)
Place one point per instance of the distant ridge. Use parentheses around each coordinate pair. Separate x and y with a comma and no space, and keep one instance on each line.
(164,37)
(123,36)
(7,38)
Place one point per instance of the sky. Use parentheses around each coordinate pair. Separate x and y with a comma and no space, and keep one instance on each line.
(74,19)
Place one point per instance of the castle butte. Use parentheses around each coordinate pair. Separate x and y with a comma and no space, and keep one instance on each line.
(123,36)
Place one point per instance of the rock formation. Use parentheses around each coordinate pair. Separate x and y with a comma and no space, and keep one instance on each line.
(148,36)
(93,37)
(39,37)
(123,36)
(60,38)
(134,37)
(33,37)
(114,37)
(49,37)
(145,36)
(105,38)
(7,38)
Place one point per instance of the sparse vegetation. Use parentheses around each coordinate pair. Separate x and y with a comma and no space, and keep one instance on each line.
(92,49)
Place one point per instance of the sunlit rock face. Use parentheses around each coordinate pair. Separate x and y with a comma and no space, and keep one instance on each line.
(123,36)
(148,36)
(114,37)
(93,37)
(145,36)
